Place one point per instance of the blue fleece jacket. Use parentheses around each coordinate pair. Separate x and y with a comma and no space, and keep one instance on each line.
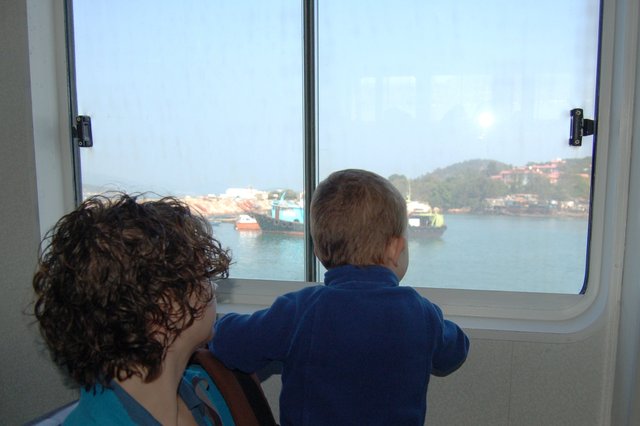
(358,350)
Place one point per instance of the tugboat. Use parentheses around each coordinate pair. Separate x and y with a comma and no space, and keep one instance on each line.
(287,217)
(425,222)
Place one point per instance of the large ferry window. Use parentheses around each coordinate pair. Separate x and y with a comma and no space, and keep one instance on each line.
(464,106)
(200,100)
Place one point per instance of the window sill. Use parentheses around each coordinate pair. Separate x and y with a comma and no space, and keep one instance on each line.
(484,314)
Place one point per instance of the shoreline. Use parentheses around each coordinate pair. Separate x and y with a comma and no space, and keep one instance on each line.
(226,209)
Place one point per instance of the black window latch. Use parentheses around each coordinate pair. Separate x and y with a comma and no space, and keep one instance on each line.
(82,131)
(580,127)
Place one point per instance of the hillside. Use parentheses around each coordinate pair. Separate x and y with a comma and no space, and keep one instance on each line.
(468,185)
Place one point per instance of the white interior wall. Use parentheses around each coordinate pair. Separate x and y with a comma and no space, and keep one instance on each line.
(29,382)
(504,382)
(626,398)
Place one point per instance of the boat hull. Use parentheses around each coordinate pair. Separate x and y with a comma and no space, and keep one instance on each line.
(269,224)
(247,226)
(430,232)
(246,223)
(426,225)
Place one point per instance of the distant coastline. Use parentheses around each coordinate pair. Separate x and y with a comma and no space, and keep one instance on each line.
(228,209)
(236,201)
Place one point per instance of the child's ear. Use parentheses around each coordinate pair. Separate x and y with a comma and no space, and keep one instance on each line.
(395,248)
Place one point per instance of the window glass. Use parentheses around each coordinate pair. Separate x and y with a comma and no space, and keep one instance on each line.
(465,106)
(201,100)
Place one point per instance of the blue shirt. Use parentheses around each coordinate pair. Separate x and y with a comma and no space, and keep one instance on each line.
(114,406)
(358,350)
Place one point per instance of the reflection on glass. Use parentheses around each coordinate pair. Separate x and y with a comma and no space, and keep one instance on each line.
(198,99)
(463,105)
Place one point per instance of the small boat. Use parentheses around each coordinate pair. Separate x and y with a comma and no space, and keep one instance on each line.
(287,217)
(426,224)
(246,223)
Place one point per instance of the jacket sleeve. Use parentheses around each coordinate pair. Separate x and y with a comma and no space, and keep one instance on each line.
(451,345)
(250,342)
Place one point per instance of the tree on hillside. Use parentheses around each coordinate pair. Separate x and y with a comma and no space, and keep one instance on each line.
(534,184)
(435,192)
(575,166)
(466,189)
(472,188)
(574,186)
(402,184)
(469,183)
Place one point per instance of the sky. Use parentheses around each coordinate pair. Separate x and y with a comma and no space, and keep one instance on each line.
(195,97)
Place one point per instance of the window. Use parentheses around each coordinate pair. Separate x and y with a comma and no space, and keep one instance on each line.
(464,106)
(201,100)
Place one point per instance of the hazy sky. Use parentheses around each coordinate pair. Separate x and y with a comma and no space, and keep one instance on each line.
(199,96)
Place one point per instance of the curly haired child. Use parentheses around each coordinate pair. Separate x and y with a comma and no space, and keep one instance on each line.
(124,295)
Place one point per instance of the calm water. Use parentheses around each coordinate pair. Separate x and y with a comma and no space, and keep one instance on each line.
(476,252)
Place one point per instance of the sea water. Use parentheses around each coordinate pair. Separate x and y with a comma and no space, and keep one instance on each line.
(534,254)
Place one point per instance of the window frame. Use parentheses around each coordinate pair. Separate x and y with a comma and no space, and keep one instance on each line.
(490,314)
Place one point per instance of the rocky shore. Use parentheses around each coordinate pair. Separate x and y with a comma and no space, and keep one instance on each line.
(214,207)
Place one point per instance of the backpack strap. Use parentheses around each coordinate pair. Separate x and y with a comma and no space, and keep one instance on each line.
(241,391)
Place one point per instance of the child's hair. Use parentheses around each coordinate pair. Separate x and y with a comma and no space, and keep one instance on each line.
(118,280)
(354,215)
